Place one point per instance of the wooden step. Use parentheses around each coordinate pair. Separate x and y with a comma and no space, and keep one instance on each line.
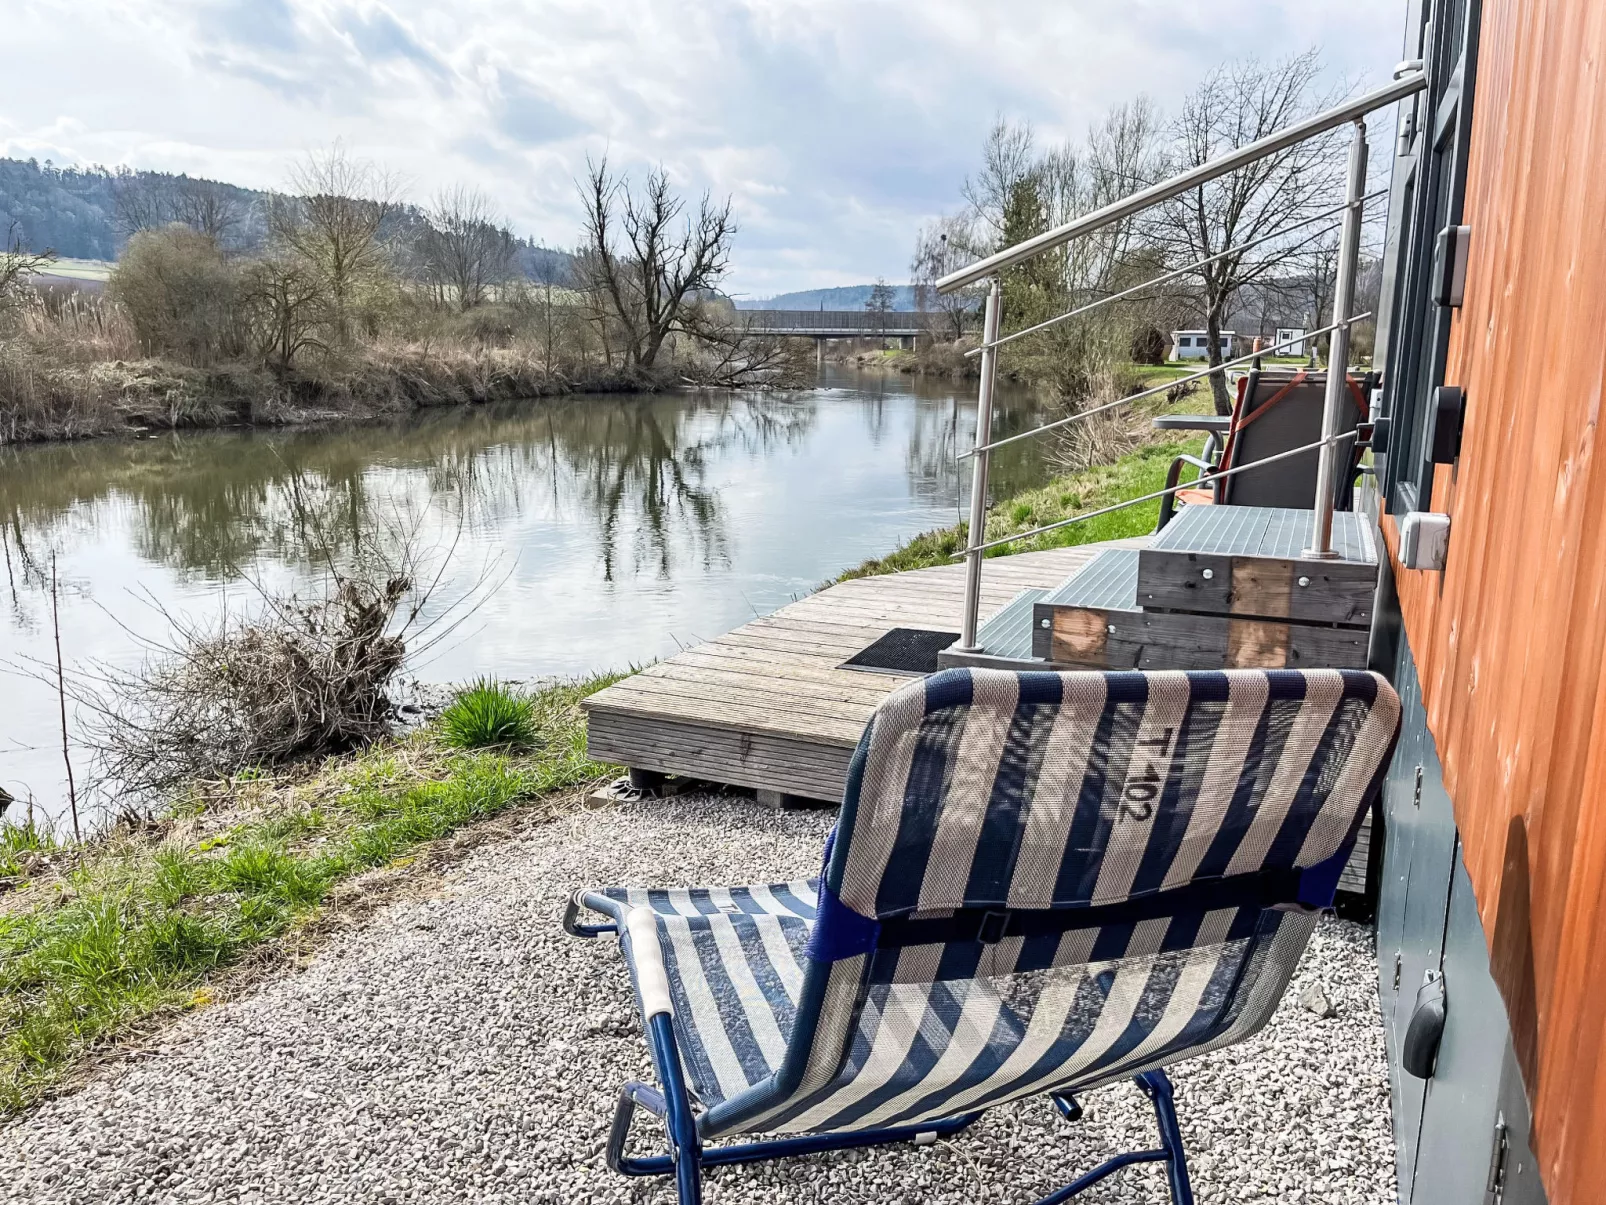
(1093,621)
(1246,561)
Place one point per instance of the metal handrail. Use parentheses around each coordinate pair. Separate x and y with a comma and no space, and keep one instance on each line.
(1403,85)
(1172,275)
(1331,119)
(1208,478)
(1161,388)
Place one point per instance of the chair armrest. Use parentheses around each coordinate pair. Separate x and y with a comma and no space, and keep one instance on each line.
(647,957)
(571,918)
(1168,502)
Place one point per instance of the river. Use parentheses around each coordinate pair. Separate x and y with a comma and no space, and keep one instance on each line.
(601,531)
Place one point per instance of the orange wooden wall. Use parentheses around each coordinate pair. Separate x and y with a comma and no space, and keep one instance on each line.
(1510,640)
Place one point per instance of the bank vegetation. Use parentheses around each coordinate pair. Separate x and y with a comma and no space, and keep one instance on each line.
(356,304)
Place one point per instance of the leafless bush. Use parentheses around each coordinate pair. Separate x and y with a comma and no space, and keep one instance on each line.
(299,676)
(1105,438)
(304,678)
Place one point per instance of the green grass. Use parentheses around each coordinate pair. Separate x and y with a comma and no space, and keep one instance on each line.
(19,843)
(486,714)
(139,928)
(1141,472)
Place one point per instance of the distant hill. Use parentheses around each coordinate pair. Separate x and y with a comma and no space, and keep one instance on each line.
(845,297)
(73,211)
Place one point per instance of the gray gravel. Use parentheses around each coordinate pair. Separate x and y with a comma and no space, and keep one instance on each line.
(461,1048)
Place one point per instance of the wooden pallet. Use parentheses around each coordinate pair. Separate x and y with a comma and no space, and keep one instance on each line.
(1093,621)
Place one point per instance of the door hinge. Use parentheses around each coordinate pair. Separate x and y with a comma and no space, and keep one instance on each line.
(1416,791)
(1495,1189)
(1397,960)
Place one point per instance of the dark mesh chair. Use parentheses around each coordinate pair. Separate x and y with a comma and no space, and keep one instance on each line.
(1276,409)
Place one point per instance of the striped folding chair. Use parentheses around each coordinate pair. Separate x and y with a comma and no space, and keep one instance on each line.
(1038,883)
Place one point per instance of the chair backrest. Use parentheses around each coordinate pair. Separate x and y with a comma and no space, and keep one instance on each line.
(1048,881)
(1279,409)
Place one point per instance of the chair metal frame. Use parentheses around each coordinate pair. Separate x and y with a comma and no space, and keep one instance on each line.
(687,1156)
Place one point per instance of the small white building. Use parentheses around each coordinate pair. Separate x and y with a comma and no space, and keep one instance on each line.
(1195,345)
(1290,341)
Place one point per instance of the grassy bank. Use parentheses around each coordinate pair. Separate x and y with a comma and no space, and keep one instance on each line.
(99,941)
(1139,472)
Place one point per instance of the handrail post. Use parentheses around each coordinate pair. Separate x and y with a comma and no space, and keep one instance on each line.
(1349,245)
(977,532)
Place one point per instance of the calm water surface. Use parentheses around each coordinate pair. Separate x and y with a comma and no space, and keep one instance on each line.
(619,528)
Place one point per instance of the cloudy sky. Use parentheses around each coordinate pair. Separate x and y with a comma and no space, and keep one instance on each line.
(838,126)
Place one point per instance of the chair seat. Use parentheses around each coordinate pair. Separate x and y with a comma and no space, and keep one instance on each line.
(734,956)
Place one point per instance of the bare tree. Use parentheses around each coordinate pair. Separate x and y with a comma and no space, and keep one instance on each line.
(140,201)
(880,302)
(643,285)
(466,249)
(285,307)
(1237,105)
(1007,157)
(17,264)
(333,225)
(207,207)
(941,248)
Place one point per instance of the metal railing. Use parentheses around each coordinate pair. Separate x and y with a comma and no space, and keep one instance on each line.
(1355,199)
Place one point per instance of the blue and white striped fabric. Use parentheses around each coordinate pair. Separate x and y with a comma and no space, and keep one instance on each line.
(735,959)
(1038,882)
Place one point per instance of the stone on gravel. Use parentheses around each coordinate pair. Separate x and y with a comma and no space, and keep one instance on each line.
(463,1048)
(1314,998)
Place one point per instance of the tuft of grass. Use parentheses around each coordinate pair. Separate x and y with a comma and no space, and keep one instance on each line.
(21,845)
(137,929)
(488,714)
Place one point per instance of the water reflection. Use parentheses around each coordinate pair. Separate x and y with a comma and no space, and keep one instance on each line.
(626,526)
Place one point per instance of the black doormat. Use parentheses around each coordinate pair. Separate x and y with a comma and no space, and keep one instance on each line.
(910,651)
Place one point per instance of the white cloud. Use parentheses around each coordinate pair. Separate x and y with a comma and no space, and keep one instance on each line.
(837,125)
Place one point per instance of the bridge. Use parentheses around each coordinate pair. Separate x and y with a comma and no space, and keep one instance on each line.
(821,325)
(834,324)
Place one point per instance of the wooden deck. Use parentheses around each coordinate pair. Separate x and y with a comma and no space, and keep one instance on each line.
(765,706)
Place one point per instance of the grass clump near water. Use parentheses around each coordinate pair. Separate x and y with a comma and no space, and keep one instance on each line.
(111,935)
(488,714)
(1138,473)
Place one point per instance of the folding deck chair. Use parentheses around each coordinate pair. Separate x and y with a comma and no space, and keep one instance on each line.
(1038,883)
(1275,411)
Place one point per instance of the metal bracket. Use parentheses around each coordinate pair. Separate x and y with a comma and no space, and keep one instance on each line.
(1495,1189)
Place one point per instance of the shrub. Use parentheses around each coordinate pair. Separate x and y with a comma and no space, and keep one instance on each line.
(180,294)
(488,713)
(1148,345)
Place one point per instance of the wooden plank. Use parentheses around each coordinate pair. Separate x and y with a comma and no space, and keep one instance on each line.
(755,760)
(1258,587)
(1089,638)
(1077,636)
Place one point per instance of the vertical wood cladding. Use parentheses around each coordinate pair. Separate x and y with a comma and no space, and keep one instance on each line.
(1510,639)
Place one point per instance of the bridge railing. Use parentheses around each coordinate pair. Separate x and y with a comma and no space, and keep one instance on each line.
(870,322)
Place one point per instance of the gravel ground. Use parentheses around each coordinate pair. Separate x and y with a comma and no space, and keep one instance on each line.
(462,1048)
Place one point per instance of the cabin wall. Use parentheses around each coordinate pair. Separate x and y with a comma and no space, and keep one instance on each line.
(1509,641)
